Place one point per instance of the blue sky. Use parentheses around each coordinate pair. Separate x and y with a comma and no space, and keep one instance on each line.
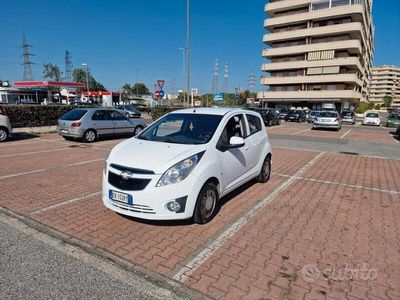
(116,38)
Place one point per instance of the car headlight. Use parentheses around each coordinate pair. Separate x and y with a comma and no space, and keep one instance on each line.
(180,171)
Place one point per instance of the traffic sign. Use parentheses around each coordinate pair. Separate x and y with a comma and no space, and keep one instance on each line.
(197,103)
(161,83)
(219,97)
(157,94)
(161,93)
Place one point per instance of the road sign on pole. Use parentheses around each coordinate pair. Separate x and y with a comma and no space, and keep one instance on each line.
(161,83)
(161,93)
(157,95)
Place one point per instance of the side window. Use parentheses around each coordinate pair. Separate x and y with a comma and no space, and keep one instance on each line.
(116,116)
(254,124)
(234,127)
(99,115)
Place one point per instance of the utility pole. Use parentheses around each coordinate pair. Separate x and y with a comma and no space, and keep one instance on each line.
(87,77)
(26,54)
(215,88)
(226,77)
(137,84)
(187,49)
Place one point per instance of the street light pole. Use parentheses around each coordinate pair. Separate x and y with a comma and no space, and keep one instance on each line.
(188,49)
(87,77)
(183,66)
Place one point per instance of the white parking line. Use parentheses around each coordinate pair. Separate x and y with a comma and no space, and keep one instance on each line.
(308,129)
(53,168)
(346,133)
(54,206)
(34,152)
(216,243)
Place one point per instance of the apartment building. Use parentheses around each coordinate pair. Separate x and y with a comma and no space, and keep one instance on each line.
(317,52)
(385,82)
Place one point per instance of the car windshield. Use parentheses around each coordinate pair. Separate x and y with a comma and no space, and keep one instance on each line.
(314,113)
(372,115)
(74,115)
(328,114)
(190,129)
(131,108)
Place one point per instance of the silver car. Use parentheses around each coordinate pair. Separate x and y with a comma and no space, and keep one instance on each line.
(328,119)
(89,124)
(312,115)
(5,125)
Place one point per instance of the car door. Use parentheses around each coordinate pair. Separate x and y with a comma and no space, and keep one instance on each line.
(233,162)
(102,122)
(122,125)
(255,141)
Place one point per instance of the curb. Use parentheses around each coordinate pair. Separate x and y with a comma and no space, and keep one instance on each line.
(32,130)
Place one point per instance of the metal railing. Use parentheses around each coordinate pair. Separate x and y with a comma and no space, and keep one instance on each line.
(318,5)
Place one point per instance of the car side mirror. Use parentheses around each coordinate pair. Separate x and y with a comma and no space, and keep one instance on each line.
(236,142)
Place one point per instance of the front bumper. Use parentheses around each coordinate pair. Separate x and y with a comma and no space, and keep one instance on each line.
(151,203)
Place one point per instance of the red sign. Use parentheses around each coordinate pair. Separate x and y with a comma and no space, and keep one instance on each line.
(161,83)
(157,94)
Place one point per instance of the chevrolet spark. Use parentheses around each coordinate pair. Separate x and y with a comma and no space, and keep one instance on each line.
(182,164)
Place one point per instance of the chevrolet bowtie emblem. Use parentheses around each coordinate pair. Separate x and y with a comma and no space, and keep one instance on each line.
(126,175)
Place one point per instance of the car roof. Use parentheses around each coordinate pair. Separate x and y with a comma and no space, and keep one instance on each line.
(208,110)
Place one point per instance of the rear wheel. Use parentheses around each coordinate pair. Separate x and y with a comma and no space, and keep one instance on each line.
(3,134)
(138,129)
(89,136)
(206,205)
(265,172)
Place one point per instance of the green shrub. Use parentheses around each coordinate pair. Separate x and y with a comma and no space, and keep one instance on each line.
(159,111)
(363,107)
(36,115)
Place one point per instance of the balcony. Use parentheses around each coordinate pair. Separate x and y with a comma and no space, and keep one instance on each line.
(344,61)
(316,31)
(351,78)
(312,96)
(326,4)
(353,46)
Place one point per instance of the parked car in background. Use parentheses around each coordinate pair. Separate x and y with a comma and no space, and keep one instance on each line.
(283,112)
(349,117)
(89,124)
(269,115)
(128,110)
(328,119)
(312,115)
(393,119)
(5,125)
(80,103)
(372,118)
(295,115)
(182,164)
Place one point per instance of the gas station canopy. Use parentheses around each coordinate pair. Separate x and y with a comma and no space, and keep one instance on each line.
(48,84)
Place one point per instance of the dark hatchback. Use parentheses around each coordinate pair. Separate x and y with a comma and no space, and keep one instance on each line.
(296,115)
(269,115)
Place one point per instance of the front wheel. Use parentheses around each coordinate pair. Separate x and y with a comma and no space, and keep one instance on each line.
(265,172)
(206,205)
(89,136)
(3,135)
(138,129)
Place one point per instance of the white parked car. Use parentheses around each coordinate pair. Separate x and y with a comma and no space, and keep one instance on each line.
(182,164)
(5,125)
(372,119)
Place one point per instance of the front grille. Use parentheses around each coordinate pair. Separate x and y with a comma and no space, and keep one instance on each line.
(144,209)
(132,170)
(130,184)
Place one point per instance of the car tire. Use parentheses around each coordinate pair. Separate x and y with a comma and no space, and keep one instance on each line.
(279,122)
(270,123)
(206,204)
(89,136)
(3,134)
(138,129)
(265,172)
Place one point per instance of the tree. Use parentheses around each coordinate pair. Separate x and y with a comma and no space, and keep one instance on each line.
(387,101)
(79,75)
(140,89)
(52,72)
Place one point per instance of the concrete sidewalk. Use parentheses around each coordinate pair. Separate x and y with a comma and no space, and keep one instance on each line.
(32,130)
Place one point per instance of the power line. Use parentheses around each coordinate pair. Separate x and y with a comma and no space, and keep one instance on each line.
(215,88)
(226,77)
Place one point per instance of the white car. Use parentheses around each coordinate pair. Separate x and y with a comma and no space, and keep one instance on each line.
(372,119)
(182,164)
(5,125)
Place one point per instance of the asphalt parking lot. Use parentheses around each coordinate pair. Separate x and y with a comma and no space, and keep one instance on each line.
(326,226)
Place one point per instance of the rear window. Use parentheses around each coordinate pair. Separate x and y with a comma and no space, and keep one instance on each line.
(327,114)
(314,113)
(74,115)
(347,114)
(394,116)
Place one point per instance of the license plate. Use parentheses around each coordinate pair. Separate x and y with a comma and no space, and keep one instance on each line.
(64,131)
(120,197)
(325,120)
